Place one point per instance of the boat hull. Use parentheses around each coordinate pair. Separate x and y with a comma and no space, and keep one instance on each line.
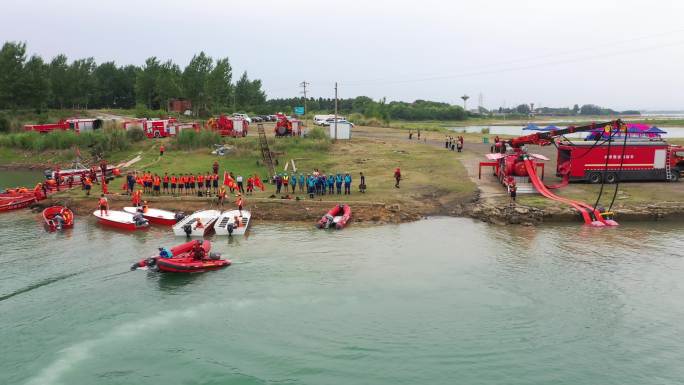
(208,219)
(156,216)
(120,220)
(338,215)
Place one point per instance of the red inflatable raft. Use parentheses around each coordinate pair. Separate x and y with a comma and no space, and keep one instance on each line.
(184,261)
(15,203)
(67,218)
(337,216)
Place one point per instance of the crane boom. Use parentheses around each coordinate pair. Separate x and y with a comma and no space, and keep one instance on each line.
(545,138)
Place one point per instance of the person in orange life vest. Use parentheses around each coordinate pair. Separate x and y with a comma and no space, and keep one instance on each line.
(88,185)
(221,196)
(200,181)
(165,185)
(104,205)
(174,180)
(136,198)
(144,207)
(198,251)
(181,184)
(199,224)
(512,189)
(239,202)
(250,185)
(161,150)
(215,182)
(236,221)
(157,184)
(215,167)
(397,177)
(207,183)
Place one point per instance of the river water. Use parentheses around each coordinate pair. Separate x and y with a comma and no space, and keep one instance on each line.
(672,132)
(440,301)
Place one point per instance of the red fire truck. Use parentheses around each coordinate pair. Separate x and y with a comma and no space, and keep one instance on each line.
(160,128)
(229,126)
(640,159)
(76,124)
(287,126)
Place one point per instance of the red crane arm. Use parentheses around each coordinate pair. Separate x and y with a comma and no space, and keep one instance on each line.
(545,138)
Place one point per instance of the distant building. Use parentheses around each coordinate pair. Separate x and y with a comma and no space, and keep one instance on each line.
(179,105)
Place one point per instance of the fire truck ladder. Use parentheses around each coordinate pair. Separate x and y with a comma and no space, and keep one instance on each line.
(266,154)
(668,169)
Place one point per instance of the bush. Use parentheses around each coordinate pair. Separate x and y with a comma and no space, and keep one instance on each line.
(317,133)
(135,134)
(484,130)
(98,141)
(189,139)
(4,123)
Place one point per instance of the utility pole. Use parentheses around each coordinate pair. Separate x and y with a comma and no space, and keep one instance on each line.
(335,111)
(303,85)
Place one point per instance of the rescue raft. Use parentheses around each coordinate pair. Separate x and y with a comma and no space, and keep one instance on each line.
(183,260)
(338,217)
(52,223)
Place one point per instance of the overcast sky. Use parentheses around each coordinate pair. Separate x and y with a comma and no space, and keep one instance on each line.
(620,54)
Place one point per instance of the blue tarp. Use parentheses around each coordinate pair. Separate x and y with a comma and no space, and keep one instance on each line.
(655,130)
(532,127)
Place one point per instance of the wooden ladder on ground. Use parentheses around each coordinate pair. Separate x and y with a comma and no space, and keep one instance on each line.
(266,154)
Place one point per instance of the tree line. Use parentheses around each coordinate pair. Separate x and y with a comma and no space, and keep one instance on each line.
(33,83)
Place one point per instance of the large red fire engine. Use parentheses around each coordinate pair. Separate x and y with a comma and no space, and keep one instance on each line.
(160,128)
(76,124)
(229,126)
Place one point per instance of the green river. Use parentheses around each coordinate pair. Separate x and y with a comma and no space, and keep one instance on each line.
(440,301)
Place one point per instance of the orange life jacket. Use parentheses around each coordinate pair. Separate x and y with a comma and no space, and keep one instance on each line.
(103,201)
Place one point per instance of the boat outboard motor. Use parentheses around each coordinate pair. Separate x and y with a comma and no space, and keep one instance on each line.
(329,220)
(230,229)
(139,219)
(214,255)
(48,174)
(187,228)
(59,222)
(179,216)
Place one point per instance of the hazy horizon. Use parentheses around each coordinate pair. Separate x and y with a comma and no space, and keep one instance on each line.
(617,54)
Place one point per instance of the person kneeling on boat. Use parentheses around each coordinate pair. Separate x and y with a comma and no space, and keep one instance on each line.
(104,205)
(199,224)
(58,220)
(165,253)
(198,251)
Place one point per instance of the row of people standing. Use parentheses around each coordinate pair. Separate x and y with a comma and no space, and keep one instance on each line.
(181,184)
(454,143)
(317,183)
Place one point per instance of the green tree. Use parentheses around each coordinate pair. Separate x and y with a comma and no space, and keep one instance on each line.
(146,83)
(12,58)
(219,87)
(575,109)
(36,87)
(59,80)
(195,80)
(248,94)
(168,84)
(81,85)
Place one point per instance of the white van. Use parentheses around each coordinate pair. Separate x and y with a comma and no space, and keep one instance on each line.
(319,120)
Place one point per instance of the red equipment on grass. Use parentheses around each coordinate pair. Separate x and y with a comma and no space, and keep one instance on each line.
(286,126)
(229,126)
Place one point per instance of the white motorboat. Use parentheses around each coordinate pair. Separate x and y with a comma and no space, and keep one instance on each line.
(226,224)
(197,224)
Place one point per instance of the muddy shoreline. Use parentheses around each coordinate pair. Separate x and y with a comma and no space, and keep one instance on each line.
(284,210)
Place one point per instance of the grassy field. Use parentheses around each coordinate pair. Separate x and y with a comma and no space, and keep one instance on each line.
(431,178)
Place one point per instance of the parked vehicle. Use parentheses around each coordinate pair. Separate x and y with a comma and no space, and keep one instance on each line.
(319,120)
(243,116)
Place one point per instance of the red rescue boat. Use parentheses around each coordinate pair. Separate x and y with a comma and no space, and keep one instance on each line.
(58,218)
(184,261)
(15,203)
(337,216)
